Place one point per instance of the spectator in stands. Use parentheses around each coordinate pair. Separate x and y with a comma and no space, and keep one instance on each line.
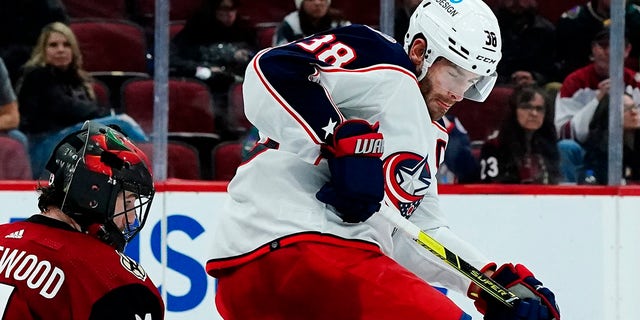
(21,22)
(14,163)
(528,44)
(9,113)
(577,27)
(402,17)
(311,16)
(524,150)
(215,46)
(597,147)
(55,96)
(578,98)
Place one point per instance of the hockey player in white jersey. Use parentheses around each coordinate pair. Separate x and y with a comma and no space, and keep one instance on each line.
(347,120)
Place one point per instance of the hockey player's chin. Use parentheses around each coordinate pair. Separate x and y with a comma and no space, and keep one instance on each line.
(437,114)
(439,110)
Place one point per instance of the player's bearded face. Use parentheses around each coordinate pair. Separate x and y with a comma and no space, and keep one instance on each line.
(444,85)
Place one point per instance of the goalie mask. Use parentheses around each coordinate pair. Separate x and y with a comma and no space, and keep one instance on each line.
(91,168)
(464,32)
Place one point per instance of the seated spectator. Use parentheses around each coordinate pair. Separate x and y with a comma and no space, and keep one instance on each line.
(524,151)
(215,47)
(55,96)
(578,98)
(9,114)
(528,44)
(402,17)
(596,146)
(21,22)
(578,26)
(312,16)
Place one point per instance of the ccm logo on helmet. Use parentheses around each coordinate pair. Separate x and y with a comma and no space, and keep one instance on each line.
(485,59)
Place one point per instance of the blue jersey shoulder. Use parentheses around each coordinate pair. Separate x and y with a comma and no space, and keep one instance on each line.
(369,47)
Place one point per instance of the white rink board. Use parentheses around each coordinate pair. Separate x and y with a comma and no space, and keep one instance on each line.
(583,247)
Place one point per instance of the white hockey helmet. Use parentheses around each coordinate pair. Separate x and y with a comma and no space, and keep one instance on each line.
(466,33)
(299,3)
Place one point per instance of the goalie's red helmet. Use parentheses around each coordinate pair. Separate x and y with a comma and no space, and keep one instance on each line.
(89,169)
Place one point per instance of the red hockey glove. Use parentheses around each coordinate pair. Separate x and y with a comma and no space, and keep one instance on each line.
(356,187)
(536,301)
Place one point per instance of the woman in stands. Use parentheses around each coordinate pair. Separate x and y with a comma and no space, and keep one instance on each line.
(55,96)
(524,150)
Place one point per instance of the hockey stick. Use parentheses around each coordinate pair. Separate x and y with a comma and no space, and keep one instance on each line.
(486,283)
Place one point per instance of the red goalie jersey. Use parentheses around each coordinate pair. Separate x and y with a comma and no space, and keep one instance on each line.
(50,271)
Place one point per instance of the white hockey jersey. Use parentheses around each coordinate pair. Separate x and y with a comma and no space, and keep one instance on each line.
(295,95)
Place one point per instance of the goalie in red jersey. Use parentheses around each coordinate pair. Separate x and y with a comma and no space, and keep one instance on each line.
(66,262)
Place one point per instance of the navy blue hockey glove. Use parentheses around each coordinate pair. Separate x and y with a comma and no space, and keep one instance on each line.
(536,301)
(356,187)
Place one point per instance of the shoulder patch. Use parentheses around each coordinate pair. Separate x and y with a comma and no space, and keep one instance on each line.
(132,266)
(572,13)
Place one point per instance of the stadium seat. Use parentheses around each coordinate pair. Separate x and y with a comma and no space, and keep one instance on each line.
(111,9)
(114,81)
(175,27)
(190,105)
(102,93)
(14,160)
(265,32)
(226,158)
(182,159)
(482,118)
(239,122)
(111,45)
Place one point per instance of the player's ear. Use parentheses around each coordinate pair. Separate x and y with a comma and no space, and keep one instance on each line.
(417,50)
